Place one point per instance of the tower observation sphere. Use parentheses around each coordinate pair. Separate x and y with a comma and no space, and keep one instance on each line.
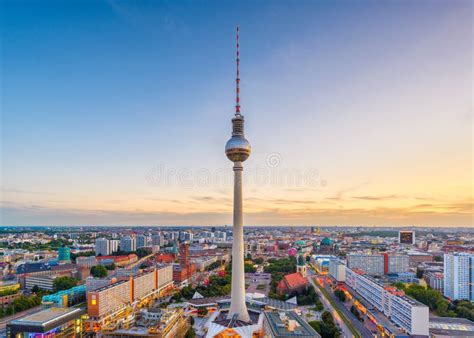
(237,148)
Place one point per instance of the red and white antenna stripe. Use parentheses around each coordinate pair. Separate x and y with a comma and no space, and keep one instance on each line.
(237,80)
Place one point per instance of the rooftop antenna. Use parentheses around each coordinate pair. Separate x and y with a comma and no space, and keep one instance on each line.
(237,80)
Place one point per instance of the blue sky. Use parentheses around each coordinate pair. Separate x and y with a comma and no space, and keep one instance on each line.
(376,96)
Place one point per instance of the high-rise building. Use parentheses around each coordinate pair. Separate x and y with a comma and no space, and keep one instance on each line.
(64,254)
(102,247)
(185,236)
(114,245)
(459,276)
(158,239)
(371,264)
(435,280)
(143,241)
(221,235)
(128,244)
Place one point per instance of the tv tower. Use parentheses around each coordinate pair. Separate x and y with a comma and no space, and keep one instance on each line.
(238,150)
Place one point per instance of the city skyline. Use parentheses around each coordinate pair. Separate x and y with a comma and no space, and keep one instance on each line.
(346,132)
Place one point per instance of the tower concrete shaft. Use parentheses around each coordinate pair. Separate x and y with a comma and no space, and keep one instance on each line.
(237,303)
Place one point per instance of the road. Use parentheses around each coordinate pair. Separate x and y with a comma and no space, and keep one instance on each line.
(6,320)
(359,326)
(346,332)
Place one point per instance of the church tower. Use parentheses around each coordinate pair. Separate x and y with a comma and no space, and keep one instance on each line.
(301,267)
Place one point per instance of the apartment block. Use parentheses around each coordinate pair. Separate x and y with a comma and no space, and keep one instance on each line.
(371,264)
(395,263)
(410,315)
(435,280)
(337,270)
(459,276)
(113,297)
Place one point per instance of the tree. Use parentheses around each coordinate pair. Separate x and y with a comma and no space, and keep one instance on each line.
(99,271)
(64,283)
(110,267)
(431,298)
(340,294)
(248,267)
(278,268)
(315,325)
(310,297)
(35,289)
(399,285)
(144,265)
(142,252)
(81,254)
(419,273)
(202,311)
(190,334)
(326,328)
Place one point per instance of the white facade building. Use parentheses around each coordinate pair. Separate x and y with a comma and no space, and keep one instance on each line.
(409,314)
(102,247)
(128,244)
(114,245)
(459,276)
(337,270)
(435,280)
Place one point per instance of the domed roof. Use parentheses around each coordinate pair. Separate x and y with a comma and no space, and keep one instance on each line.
(326,241)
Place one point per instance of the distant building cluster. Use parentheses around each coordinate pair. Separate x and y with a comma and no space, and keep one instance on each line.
(143,266)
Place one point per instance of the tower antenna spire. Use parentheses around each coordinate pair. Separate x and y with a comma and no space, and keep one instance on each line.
(237,80)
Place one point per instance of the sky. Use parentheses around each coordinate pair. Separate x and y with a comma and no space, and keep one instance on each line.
(117,112)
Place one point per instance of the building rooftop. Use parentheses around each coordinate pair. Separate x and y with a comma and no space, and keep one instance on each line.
(206,300)
(446,326)
(110,286)
(222,320)
(45,320)
(289,324)
(277,304)
(294,280)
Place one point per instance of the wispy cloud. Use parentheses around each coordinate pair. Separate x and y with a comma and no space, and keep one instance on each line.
(376,198)
(23,191)
(341,194)
(276,212)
